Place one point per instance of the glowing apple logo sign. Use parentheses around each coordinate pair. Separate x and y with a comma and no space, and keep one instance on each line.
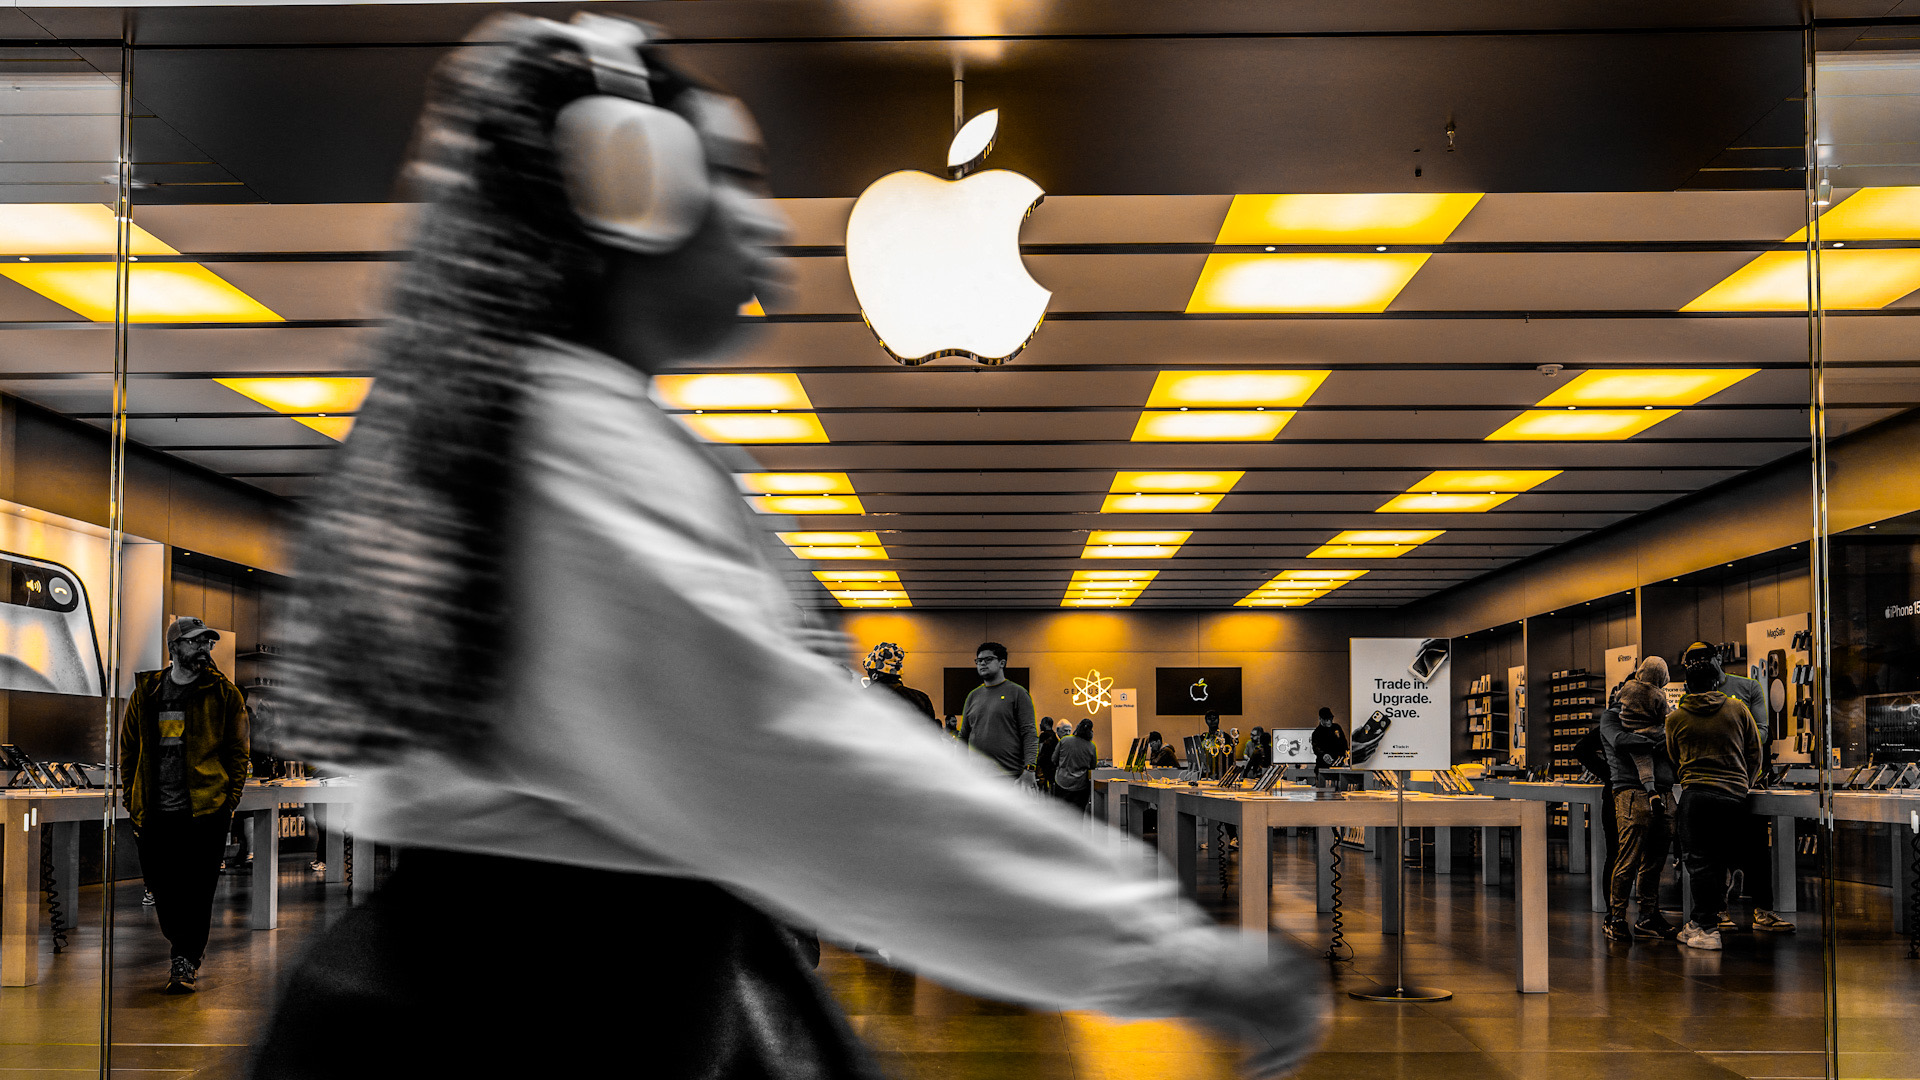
(936,263)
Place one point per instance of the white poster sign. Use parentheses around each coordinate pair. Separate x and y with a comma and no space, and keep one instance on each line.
(53,614)
(1125,717)
(1622,662)
(1517,710)
(1778,653)
(1402,703)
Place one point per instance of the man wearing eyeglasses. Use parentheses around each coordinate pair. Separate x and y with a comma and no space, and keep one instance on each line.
(998,719)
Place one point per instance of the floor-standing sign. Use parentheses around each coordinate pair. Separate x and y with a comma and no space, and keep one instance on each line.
(1125,717)
(1402,718)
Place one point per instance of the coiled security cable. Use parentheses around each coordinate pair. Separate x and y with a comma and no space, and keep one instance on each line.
(1338,950)
(56,911)
(1220,842)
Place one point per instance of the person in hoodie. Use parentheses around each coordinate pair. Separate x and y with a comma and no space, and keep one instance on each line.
(183,754)
(883,674)
(1635,735)
(1753,860)
(1715,747)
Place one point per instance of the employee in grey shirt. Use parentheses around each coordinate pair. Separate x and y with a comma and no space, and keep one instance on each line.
(999,719)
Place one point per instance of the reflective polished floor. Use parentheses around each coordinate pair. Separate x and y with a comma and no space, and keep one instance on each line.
(1650,1010)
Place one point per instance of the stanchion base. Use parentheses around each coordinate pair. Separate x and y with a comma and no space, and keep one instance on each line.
(1403,993)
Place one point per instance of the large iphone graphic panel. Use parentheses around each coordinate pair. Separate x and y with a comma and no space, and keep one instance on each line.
(47,639)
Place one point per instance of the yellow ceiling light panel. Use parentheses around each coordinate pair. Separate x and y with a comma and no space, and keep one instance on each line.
(1359,551)
(1328,575)
(830,552)
(1579,425)
(1363,282)
(329,395)
(1875,213)
(1373,543)
(69,229)
(1135,503)
(1234,389)
(857,539)
(896,603)
(1371,218)
(1196,482)
(744,427)
(1129,551)
(1486,480)
(159,292)
(1262,601)
(732,391)
(857,577)
(333,427)
(1852,279)
(753,309)
(1448,503)
(1645,386)
(808,504)
(1212,425)
(1141,576)
(795,483)
(1137,536)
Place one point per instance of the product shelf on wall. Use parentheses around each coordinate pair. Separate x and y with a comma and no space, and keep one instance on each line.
(1574,700)
(1489,728)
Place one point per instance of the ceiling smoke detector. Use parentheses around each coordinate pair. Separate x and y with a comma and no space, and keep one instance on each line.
(1551,371)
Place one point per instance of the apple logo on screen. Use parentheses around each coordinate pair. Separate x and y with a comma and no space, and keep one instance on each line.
(1198,691)
(936,263)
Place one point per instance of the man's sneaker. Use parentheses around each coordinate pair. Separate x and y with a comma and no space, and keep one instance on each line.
(1695,938)
(317,866)
(146,897)
(180,976)
(1617,930)
(1770,922)
(1727,921)
(1654,926)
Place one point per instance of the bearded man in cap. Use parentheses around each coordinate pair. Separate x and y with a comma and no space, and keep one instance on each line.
(883,673)
(183,759)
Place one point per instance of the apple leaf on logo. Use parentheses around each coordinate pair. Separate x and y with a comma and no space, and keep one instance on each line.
(973,142)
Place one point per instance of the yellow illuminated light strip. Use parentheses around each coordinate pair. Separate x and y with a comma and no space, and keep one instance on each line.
(1369,218)
(1159,504)
(1478,480)
(795,483)
(1296,588)
(327,395)
(1211,425)
(1196,482)
(834,545)
(1283,388)
(1444,503)
(1307,283)
(807,504)
(1576,425)
(1330,574)
(69,229)
(1874,213)
(857,577)
(741,391)
(157,292)
(1856,279)
(1373,543)
(1657,386)
(750,427)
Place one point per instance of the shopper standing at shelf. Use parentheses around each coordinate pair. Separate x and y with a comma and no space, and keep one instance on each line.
(525,588)
(997,720)
(1160,753)
(1715,748)
(1073,780)
(1753,858)
(1259,751)
(1635,734)
(183,759)
(1329,742)
(883,673)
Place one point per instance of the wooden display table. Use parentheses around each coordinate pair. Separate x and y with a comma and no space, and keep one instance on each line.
(28,810)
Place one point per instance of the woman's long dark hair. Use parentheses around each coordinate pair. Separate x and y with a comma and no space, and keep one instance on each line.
(397,625)
(1083,730)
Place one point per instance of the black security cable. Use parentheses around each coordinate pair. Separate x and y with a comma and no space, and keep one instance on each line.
(56,912)
(1220,841)
(1338,950)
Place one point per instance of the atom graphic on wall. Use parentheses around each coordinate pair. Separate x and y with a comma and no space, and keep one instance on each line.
(1092,690)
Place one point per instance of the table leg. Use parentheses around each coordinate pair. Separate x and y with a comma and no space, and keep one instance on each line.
(1577,828)
(1530,892)
(1902,863)
(263,907)
(1443,849)
(20,897)
(1490,857)
(1186,838)
(336,841)
(1392,852)
(1597,854)
(1323,867)
(1256,876)
(363,854)
(1786,871)
(1166,831)
(1099,806)
(65,838)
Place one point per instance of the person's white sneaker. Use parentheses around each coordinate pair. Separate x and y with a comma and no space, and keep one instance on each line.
(1693,937)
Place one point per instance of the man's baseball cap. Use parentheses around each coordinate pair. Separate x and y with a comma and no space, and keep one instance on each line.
(187,626)
(1699,652)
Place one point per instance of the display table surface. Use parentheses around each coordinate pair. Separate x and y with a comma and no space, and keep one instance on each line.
(28,810)
(1786,805)
(1181,807)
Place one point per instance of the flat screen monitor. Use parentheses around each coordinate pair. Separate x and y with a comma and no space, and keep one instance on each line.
(1293,746)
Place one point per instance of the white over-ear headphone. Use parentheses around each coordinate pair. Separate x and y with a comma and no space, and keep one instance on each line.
(635,172)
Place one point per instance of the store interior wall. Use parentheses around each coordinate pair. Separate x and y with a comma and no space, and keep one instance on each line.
(1292,662)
